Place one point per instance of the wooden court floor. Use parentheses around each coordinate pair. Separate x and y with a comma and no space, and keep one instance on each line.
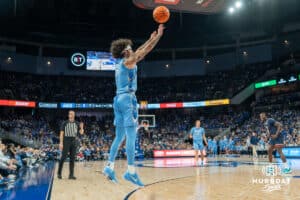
(221,178)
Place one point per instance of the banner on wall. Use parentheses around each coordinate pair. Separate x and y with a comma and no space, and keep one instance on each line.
(174,153)
(217,102)
(85,105)
(17,103)
(47,105)
(142,105)
(290,152)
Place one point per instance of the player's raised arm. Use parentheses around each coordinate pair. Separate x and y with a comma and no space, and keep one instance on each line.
(144,49)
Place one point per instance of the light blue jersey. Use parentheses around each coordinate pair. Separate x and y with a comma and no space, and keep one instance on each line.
(224,144)
(126,79)
(197,133)
(214,145)
(125,111)
(125,103)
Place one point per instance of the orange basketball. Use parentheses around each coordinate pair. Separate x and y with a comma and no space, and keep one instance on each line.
(161,14)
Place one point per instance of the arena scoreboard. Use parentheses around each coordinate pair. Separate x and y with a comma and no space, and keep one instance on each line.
(100,61)
(92,61)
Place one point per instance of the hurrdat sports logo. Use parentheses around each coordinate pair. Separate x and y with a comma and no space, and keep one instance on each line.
(272,178)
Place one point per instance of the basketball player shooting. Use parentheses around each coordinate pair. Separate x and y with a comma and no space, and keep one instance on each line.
(198,135)
(125,102)
(276,140)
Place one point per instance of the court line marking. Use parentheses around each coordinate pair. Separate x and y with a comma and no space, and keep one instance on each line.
(208,164)
(162,181)
(51,183)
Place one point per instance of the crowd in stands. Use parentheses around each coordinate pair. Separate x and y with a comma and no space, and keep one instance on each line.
(172,125)
(171,132)
(14,158)
(31,129)
(216,85)
(288,99)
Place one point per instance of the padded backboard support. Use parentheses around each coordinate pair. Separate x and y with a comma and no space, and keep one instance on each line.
(191,6)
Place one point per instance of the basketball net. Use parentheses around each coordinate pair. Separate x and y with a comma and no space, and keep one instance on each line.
(146,127)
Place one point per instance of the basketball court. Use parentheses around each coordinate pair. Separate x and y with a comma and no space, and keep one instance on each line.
(177,178)
(51,63)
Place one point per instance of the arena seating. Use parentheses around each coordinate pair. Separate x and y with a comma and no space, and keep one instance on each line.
(217,85)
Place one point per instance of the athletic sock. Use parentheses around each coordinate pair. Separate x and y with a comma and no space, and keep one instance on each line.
(131,169)
(286,165)
(111,165)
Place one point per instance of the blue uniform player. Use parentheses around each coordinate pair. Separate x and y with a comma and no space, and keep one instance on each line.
(198,135)
(125,102)
(209,146)
(274,129)
(224,144)
(214,147)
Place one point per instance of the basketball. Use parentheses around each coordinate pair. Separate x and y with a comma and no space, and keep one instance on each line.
(161,14)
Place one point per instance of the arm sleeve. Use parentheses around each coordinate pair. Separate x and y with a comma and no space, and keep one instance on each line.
(192,131)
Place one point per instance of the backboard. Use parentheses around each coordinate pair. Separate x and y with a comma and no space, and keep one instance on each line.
(191,6)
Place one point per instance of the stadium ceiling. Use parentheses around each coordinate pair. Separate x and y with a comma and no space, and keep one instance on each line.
(95,23)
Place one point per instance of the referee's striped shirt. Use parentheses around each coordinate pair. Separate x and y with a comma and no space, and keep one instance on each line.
(70,129)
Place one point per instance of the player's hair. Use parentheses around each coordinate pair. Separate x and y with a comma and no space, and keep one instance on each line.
(117,47)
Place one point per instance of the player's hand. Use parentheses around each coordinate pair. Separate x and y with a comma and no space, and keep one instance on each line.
(160,30)
(61,146)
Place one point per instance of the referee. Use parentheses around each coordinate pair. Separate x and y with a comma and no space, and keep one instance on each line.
(68,133)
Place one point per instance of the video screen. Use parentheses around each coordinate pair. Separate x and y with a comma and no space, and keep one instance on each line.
(100,61)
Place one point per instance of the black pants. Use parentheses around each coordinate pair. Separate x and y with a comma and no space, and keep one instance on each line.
(69,146)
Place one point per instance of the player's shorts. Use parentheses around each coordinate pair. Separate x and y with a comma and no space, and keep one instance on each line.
(125,110)
(215,149)
(278,141)
(198,145)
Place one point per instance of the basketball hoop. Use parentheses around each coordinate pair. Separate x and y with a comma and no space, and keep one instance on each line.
(146,127)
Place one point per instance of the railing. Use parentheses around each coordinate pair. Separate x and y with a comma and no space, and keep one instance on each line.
(20,139)
(217,132)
